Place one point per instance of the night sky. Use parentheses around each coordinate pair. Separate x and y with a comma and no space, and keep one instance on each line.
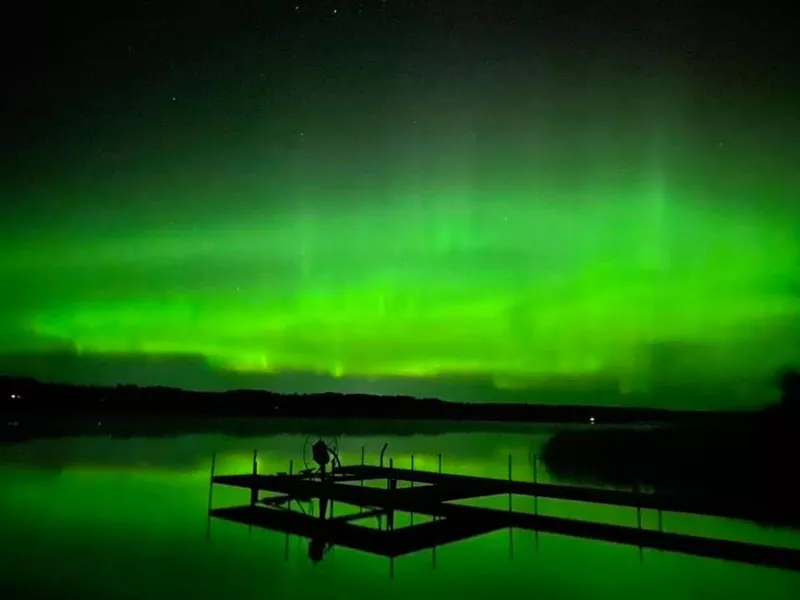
(475,200)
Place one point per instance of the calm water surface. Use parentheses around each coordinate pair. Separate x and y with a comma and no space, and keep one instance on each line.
(106,518)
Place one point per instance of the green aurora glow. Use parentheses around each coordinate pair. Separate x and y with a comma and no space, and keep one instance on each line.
(419,223)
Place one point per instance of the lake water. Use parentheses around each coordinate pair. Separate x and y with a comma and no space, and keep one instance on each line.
(110,518)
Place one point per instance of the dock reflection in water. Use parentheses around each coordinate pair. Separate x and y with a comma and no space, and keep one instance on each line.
(97,518)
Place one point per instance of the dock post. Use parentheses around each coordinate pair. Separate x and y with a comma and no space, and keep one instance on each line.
(211,493)
(392,485)
(638,506)
(510,479)
(510,512)
(291,466)
(536,482)
(536,499)
(412,483)
(254,489)
(361,508)
(440,472)
(639,520)
(383,451)
(211,478)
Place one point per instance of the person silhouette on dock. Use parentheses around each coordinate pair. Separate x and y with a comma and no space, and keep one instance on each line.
(321,456)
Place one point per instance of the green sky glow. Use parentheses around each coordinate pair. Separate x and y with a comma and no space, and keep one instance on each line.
(425,223)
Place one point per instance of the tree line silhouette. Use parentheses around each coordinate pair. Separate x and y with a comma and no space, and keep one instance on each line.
(30,398)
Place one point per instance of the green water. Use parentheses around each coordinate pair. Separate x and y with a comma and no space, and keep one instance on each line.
(103,518)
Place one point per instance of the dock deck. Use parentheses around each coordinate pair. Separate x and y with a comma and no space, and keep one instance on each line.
(434,494)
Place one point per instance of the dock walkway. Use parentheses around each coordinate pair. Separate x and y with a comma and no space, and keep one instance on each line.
(434,495)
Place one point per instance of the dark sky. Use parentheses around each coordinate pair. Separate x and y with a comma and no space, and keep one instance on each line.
(482,199)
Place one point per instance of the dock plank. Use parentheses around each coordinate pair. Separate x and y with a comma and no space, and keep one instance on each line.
(458,485)
(755,554)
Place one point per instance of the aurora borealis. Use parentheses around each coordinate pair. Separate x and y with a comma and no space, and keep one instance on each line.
(369,195)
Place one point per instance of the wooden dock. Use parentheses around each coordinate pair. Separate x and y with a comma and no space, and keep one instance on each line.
(433,496)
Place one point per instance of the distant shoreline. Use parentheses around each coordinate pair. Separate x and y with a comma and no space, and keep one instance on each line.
(32,409)
(51,400)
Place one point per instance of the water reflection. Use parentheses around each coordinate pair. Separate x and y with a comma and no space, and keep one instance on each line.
(127,519)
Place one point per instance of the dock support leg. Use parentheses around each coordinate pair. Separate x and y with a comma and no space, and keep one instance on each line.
(412,485)
(392,485)
(361,508)
(536,482)
(639,521)
(536,498)
(510,511)
(510,479)
(291,472)
(210,493)
(440,472)
(254,490)
(383,451)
